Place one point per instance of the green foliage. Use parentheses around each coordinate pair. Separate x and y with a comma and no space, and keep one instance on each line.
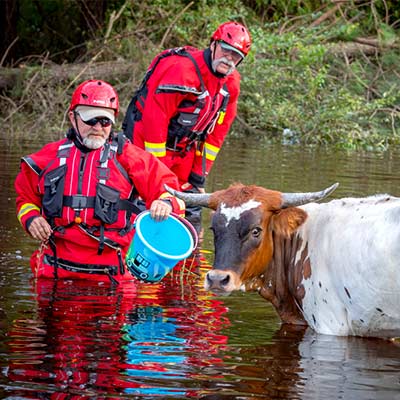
(303,82)
(170,23)
(295,90)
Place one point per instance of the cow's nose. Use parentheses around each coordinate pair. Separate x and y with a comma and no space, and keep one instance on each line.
(218,280)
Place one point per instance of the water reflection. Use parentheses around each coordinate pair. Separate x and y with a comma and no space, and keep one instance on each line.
(91,339)
(88,341)
(299,364)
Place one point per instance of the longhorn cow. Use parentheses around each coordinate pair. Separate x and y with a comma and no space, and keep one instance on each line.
(334,266)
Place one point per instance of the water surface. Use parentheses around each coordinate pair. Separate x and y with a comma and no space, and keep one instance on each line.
(69,340)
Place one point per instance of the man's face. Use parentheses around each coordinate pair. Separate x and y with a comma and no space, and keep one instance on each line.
(93,136)
(224,61)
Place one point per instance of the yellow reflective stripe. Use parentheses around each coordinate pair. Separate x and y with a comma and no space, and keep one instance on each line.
(182,206)
(211,151)
(165,195)
(157,149)
(25,209)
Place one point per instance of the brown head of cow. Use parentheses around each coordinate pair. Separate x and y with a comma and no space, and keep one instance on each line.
(246,224)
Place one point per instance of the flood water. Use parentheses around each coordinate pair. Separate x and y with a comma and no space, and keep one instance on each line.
(173,340)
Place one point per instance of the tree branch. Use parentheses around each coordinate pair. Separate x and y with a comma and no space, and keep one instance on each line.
(173,23)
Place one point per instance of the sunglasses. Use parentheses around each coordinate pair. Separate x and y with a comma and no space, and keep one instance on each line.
(229,50)
(104,122)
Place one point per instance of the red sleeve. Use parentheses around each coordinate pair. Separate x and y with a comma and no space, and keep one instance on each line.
(162,105)
(149,175)
(28,198)
(215,139)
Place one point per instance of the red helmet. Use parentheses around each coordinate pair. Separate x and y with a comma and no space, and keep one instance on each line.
(235,35)
(95,93)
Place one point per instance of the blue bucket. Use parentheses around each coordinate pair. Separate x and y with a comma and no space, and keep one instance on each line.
(158,246)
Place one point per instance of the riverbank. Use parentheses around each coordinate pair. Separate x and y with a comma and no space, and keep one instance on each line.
(327,77)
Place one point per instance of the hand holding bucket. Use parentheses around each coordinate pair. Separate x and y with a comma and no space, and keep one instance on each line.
(158,246)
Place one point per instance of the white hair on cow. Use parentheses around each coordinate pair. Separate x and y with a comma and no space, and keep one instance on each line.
(236,212)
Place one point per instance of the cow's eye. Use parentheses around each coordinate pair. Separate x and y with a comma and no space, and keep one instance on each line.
(256,231)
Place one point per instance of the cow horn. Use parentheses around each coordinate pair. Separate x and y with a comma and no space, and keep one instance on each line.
(297,199)
(190,199)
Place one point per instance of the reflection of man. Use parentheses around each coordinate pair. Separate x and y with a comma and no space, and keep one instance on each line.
(102,340)
(186,104)
(77,195)
(76,333)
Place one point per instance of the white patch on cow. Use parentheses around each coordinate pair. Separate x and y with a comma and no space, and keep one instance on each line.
(235,212)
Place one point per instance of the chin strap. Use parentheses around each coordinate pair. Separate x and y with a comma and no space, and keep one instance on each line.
(77,133)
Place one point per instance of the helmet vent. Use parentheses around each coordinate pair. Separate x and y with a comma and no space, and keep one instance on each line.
(112,99)
(85,96)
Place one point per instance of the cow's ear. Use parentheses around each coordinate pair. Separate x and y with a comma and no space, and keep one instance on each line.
(287,220)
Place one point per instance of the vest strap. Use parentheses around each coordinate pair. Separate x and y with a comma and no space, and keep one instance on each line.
(82,268)
(80,202)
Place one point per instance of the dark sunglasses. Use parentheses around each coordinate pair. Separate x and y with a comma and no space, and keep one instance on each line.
(228,49)
(104,122)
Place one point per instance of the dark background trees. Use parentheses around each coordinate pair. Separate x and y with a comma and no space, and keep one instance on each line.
(59,28)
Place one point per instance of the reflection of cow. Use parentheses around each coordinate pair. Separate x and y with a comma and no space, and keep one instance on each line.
(297,363)
(340,271)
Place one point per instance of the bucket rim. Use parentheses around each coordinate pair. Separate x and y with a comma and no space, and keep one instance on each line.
(158,252)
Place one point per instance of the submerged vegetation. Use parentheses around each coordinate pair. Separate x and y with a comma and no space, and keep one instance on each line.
(320,72)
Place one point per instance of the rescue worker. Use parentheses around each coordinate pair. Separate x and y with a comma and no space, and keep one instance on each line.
(186,104)
(77,195)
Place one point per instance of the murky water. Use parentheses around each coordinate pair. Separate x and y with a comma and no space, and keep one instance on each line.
(69,340)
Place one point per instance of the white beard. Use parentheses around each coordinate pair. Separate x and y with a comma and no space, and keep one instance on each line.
(224,60)
(94,142)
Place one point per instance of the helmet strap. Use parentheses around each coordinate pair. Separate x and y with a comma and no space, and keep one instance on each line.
(78,136)
(214,50)
(212,55)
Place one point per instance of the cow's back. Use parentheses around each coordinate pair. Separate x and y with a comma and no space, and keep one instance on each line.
(354,251)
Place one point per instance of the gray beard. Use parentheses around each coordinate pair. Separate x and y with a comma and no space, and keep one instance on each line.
(224,60)
(93,143)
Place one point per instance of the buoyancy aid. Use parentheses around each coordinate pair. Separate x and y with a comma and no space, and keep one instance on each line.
(195,117)
(90,189)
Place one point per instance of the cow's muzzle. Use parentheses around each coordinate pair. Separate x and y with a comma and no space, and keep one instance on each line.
(221,281)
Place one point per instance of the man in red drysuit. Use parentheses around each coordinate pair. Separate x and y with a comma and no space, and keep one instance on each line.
(186,104)
(77,195)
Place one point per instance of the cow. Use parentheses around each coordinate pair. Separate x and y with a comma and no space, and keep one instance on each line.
(334,266)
